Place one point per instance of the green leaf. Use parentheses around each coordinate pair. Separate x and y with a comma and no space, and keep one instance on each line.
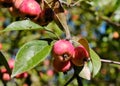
(85,73)
(30,55)
(4,62)
(23,25)
(96,62)
(69,2)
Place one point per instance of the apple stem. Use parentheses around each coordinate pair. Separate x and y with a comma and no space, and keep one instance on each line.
(67,32)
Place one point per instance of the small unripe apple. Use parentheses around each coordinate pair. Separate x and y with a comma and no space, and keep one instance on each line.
(61,66)
(80,56)
(6,77)
(63,50)
(30,8)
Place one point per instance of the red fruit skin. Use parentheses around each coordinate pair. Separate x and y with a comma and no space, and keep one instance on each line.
(50,72)
(11,63)
(30,8)
(80,55)
(63,50)
(61,66)
(6,77)
(3,70)
(22,75)
(0,46)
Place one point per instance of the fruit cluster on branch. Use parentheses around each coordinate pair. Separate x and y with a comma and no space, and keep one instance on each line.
(66,55)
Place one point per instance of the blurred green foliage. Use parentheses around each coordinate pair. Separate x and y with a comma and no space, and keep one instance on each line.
(96,20)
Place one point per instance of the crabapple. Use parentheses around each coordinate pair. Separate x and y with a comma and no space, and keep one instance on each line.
(30,8)
(6,77)
(63,50)
(0,46)
(80,55)
(11,63)
(61,66)
(3,70)
(22,75)
(50,72)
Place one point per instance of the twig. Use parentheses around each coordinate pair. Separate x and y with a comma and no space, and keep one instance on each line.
(110,61)
(71,79)
(109,21)
(79,81)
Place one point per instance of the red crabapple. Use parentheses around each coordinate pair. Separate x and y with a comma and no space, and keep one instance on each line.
(30,8)
(22,75)
(0,46)
(3,70)
(11,63)
(63,50)
(80,56)
(6,77)
(50,72)
(61,66)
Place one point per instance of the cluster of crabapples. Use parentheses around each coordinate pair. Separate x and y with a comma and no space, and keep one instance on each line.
(66,55)
(31,9)
(5,75)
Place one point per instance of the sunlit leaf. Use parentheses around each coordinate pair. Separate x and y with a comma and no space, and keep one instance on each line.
(23,25)
(96,62)
(30,55)
(89,63)
(85,73)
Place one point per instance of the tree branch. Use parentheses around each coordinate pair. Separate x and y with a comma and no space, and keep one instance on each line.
(110,61)
(109,21)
